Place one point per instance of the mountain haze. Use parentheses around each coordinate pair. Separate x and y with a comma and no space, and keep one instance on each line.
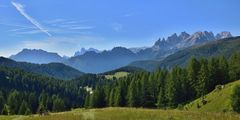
(36,56)
(56,70)
(94,61)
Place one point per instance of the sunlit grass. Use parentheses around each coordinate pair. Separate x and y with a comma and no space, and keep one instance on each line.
(129,114)
(117,75)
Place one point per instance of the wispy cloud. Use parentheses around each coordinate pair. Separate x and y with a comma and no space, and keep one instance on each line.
(82,28)
(21,10)
(117,27)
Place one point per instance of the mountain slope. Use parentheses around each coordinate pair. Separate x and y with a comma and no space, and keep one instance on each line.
(36,56)
(221,47)
(56,70)
(92,62)
(218,100)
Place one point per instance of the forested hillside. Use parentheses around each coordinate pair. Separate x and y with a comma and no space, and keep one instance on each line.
(26,93)
(167,88)
(56,70)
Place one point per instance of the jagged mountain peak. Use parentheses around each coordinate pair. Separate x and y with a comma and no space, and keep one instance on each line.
(84,50)
(184,35)
(224,34)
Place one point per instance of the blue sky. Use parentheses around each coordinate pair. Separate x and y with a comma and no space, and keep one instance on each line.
(64,26)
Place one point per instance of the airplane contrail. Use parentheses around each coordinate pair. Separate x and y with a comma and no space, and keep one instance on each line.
(21,10)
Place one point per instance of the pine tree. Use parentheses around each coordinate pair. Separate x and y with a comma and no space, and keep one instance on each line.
(5,110)
(161,98)
(2,101)
(13,102)
(213,71)
(111,97)
(132,96)
(33,102)
(43,99)
(87,100)
(58,105)
(203,79)
(28,112)
(161,103)
(192,69)
(234,67)
(223,69)
(98,98)
(41,109)
(120,94)
(23,108)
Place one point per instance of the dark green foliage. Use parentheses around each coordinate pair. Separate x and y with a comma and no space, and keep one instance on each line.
(13,102)
(2,101)
(234,67)
(58,104)
(28,112)
(167,88)
(87,100)
(19,87)
(23,108)
(236,99)
(203,79)
(5,110)
(26,93)
(98,98)
(56,70)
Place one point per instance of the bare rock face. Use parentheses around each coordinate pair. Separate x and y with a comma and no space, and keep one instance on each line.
(224,34)
(185,40)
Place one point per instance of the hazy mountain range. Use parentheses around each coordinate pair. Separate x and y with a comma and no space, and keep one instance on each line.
(94,61)
(56,70)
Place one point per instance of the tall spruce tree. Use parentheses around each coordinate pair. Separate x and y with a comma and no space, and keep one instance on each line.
(203,79)
(193,69)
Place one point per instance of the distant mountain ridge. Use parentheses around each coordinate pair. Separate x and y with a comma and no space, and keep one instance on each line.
(185,40)
(36,56)
(226,47)
(83,51)
(94,61)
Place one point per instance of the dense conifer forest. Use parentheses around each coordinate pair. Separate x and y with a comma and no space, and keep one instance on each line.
(27,93)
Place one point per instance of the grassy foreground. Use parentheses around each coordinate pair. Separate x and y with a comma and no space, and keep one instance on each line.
(128,114)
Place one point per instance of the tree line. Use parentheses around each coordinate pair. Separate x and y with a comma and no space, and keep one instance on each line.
(27,93)
(167,88)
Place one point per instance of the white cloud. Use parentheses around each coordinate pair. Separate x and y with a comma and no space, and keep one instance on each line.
(21,10)
(117,27)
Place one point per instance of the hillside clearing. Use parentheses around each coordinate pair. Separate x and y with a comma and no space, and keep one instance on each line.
(218,100)
(117,75)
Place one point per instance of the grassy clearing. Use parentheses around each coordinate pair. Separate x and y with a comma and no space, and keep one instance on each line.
(117,75)
(218,100)
(130,114)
